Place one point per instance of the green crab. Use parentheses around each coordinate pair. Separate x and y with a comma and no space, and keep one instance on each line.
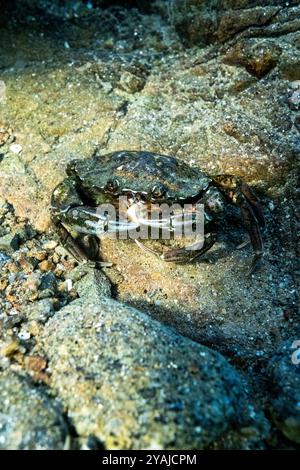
(146,178)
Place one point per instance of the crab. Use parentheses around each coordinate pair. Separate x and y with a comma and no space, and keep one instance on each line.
(145,178)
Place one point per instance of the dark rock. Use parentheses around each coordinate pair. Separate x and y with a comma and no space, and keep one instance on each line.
(289,65)
(48,281)
(194,21)
(232,22)
(284,373)
(201,22)
(297,122)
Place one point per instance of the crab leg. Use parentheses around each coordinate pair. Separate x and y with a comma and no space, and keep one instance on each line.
(70,244)
(73,246)
(146,248)
(185,254)
(251,225)
(239,193)
(243,244)
(254,202)
(175,220)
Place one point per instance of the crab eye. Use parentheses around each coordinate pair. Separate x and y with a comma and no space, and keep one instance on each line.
(158,191)
(112,185)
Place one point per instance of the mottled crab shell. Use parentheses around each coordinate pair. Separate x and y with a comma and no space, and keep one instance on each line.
(139,172)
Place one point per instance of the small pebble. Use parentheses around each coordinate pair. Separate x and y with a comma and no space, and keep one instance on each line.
(12,267)
(48,281)
(295,85)
(3,284)
(61,251)
(32,283)
(271,206)
(9,349)
(34,328)
(3,258)
(36,363)
(13,312)
(26,266)
(131,83)
(50,245)
(59,270)
(46,265)
(294,100)
(24,335)
(16,148)
(39,255)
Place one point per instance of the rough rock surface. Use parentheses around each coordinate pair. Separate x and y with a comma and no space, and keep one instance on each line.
(201,22)
(136,384)
(28,418)
(284,371)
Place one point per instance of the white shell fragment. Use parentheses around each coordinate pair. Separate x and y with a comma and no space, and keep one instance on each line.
(24,335)
(16,148)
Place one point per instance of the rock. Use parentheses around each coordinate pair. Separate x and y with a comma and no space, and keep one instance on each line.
(28,418)
(297,123)
(194,21)
(289,65)
(232,22)
(46,265)
(9,349)
(134,383)
(284,375)
(35,363)
(48,281)
(5,131)
(50,245)
(131,83)
(92,283)
(39,311)
(294,100)
(9,242)
(201,22)
(258,57)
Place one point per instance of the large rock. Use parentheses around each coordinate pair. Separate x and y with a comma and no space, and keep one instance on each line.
(258,57)
(134,383)
(284,373)
(200,22)
(28,419)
